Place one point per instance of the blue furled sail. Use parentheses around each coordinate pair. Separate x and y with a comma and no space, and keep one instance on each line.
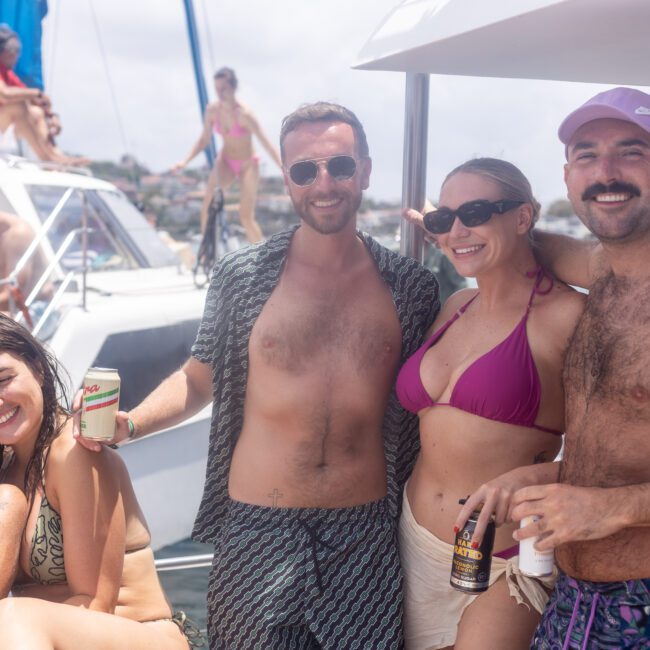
(24,17)
(192,32)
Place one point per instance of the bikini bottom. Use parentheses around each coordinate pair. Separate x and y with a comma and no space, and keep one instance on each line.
(237,165)
(189,629)
(432,607)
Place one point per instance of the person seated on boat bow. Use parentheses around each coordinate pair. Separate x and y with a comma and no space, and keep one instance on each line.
(86,576)
(487,387)
(29,110)
(237,160)
(15,238)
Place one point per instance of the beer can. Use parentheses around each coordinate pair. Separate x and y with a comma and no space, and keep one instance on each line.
(470,567)
(101,401)
(532,562)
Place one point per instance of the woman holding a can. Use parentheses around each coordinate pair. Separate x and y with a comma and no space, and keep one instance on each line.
(85,576)
(487,387)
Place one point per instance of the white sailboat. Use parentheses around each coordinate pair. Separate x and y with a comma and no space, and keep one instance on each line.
(137,309)
(122,299)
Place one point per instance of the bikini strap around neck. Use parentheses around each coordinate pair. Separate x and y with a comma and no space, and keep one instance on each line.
(540,274)
(463,309)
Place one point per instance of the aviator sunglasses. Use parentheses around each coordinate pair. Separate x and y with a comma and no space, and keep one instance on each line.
(340,168)
(472,213)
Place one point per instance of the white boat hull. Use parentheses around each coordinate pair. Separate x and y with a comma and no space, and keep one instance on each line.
(167,470)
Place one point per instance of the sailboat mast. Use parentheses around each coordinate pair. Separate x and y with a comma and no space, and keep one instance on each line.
(210,151)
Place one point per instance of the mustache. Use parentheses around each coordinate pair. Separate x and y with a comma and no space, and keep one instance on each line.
(615,187)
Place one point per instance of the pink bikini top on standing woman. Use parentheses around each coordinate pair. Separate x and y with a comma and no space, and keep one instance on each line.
(236,130)
(501,385)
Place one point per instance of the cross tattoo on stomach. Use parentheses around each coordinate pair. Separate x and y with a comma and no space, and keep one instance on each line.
(275,496)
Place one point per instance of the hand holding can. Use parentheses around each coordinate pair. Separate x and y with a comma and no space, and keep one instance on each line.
(532,562)
(100,403)
(471,562)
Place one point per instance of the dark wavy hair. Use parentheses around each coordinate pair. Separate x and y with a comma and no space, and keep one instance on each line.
(6,34)
(17,340)
(229,75)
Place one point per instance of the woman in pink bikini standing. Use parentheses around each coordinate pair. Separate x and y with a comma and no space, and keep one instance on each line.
(236,124)
(487,386)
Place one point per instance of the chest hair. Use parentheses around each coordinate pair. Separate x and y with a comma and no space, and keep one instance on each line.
(334,330)
(607,358)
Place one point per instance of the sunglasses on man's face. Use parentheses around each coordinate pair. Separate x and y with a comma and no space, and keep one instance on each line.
(340,168)
(471,214)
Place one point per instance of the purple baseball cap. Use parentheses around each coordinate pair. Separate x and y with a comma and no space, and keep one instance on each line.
(618,103)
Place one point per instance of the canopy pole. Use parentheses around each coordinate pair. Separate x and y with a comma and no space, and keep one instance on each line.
(416,117)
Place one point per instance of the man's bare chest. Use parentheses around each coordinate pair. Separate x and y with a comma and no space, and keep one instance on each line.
(354,330)
(608,361)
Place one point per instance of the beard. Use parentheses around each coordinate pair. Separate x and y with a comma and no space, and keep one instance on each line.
(330,224)
(621,226)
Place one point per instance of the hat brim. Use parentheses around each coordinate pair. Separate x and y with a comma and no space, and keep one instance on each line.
(585,114)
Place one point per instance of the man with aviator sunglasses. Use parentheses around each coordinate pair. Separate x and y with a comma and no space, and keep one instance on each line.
(299,345)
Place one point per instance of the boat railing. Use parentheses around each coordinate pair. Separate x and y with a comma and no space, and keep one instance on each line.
(33,249)
(184,562)
(18,162)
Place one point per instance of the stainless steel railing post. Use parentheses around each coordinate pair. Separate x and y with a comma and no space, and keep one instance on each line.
(415,159)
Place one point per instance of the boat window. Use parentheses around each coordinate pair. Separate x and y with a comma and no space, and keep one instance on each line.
(156,252)
(5,205)
(105,250)
(145,357)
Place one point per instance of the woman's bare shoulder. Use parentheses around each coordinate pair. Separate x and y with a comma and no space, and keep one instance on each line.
(70,462)
(451,306)
(560,309)
(244,110)
(564,297)
(456,301)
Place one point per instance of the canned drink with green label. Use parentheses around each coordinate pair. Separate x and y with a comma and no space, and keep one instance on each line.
(101,401)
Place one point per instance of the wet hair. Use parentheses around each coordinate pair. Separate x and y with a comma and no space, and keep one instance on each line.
(511,180)
(17,340)
(229,75)
(324,112)
(6,34)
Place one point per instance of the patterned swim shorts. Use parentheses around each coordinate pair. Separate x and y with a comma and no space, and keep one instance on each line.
(585,615)
(306,579)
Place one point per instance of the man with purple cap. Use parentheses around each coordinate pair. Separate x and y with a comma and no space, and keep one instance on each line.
(597,517)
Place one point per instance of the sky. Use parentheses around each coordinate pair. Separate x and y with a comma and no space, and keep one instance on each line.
(140,95)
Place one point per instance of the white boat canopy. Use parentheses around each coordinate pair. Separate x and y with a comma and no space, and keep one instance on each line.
(598,41)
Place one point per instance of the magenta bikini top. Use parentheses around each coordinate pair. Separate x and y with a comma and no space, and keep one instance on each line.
(501,385)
